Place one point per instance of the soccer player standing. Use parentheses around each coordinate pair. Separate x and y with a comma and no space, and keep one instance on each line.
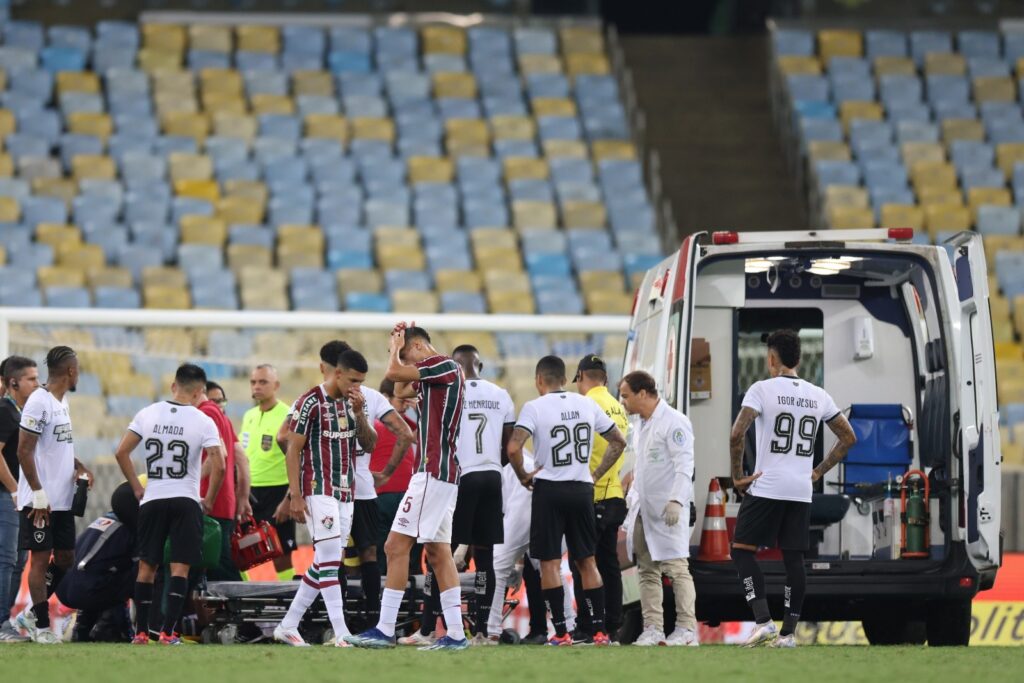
(777,508)
(46,488)
(429,504)
(174,434)
(328,421)
(562,426)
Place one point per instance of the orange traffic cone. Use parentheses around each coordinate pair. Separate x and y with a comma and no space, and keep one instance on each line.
(714,538)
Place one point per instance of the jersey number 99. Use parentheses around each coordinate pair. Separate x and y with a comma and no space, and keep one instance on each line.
(178,467)
(783,441)
(578,438)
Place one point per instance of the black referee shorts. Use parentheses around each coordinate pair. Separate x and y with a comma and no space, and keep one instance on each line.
(177,519)
(478,518)
(365,520)
(562,509)
(267,499)
(762,522)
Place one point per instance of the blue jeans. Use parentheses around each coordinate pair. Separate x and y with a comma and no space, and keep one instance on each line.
(12,560)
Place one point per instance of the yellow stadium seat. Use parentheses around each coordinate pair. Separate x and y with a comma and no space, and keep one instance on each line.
(166,298)
(295,256)
(164,276)
(258,39)
(198,189)
(458,84)
(10,210)
(472,131)
(414,301)
(174,102)
(8,124)
(252,190)
(791,65)
(77,81)
(1008,154)
(174,82)
(505,279)
(962,129)
(996,243)
(209,38)
(359,280)
(458,281)
(249,256)
(223,103)
(525,168)
(164,36)
(397,236)
(66,189)
(265,299)
(1018,314)
(263,103)
(850,217)
(846,195)
(608,302)
(187,166)
(313,83)
(894,66)
(109,276)
(839,43)
(822,150)
(301,236)
(430,169)
(58,276)
(913,152)
(995,89)
(854,110)
(82,256)
(333,127)
(399,257)
(93,166)
(494,237)
(511,302)
(373,128)
(235,126)
(444,39)
(152,60)
(946,217)
(581,63)
(6,166)
(595,280)
(553,106)
(583,214)
(513,128)
(197,229)
(529,214)
(612,149)
(195,126)
(937,174)
(55,234)
(944,63)
(255,278)
(554,149)
(929,194)
(980,196)
(539,64)
(86,123)
(238,210)
(132,384)
(902,216)
(587,39)
(491,257)
(3,80)
(458,148)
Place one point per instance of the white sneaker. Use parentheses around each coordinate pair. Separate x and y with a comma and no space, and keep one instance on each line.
(682,637)
(763,633)
(45,636)
(480,639)
(289,636)
(418,639)
(650,637)
(784,641)
(26,621)
(9,633)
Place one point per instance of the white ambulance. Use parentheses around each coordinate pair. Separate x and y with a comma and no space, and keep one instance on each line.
(900,335)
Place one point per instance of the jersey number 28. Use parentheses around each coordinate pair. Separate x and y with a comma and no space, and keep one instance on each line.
(578,438)
(178,450)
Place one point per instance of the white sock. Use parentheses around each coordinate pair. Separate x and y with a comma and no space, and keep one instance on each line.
(451,607)
(309,588)
(390,602)
(335,604)
(497,615)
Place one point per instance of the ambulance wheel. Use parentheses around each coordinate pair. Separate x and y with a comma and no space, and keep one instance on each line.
(885,628)
(949,623)
(208,636)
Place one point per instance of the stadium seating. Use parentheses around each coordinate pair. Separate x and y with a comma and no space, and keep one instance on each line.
(922,129)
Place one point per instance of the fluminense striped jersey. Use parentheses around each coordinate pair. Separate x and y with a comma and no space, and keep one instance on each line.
(326,461)
(441,388)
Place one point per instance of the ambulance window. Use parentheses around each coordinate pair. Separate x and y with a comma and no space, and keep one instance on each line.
(754,326)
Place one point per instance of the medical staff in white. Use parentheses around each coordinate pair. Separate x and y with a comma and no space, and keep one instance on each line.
(658,523)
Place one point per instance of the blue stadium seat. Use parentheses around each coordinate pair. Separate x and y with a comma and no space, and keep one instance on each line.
(116,297)
(559,303)
(67,297)
(998,220)
(367,302)
(885,43)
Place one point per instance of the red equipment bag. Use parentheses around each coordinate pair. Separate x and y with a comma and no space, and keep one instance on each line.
(254,543)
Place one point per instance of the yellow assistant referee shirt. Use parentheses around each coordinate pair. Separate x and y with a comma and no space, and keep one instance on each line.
(259,439)
(610,485)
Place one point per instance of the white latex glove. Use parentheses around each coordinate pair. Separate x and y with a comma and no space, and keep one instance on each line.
(671,513)
(39,500)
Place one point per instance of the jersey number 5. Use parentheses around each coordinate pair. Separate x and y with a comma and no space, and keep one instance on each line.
(579,438)
(178,450)
(783,441)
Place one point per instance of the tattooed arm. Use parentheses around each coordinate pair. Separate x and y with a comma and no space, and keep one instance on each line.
(736,439)
(840,426)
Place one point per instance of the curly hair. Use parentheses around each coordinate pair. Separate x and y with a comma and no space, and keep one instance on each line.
(786,343)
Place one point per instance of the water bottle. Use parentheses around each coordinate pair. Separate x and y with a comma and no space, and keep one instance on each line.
(81,496)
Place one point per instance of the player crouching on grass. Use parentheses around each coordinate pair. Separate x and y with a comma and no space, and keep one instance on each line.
(174,434)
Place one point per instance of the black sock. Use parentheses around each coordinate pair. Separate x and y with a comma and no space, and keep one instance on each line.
(595,607)
(535,600)
(431,605)
(753,583)
(177,589)
(42,612)
(54,575)
(370,577)
(555,598)
(483,556)
(143,600)
(796,588)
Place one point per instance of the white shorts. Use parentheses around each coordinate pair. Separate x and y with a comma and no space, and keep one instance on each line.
(326,518)
(425,512)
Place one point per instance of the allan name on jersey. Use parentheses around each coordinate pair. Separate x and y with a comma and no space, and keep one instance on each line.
(571,415)
(798,401)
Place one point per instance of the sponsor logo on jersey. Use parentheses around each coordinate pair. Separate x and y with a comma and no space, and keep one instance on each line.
(32,423)
(63,432)
(266,442)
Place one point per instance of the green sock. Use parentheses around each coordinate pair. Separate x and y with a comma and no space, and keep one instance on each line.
(286,574)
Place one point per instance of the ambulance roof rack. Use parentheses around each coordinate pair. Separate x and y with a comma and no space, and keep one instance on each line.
(833,236)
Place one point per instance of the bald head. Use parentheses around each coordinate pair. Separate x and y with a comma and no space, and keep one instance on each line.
(264,384)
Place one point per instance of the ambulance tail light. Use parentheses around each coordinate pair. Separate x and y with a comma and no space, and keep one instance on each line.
(725,237)
(901,234)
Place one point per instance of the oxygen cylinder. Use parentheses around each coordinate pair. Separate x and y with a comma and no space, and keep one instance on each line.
(915,516)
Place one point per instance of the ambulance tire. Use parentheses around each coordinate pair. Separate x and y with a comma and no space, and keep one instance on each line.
(884,628)
(949,623)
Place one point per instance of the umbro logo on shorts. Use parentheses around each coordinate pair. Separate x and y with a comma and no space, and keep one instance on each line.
(403,521)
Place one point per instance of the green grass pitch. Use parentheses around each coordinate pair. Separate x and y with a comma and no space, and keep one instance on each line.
(524,664)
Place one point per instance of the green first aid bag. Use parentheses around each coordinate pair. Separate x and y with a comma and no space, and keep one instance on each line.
(211,544)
